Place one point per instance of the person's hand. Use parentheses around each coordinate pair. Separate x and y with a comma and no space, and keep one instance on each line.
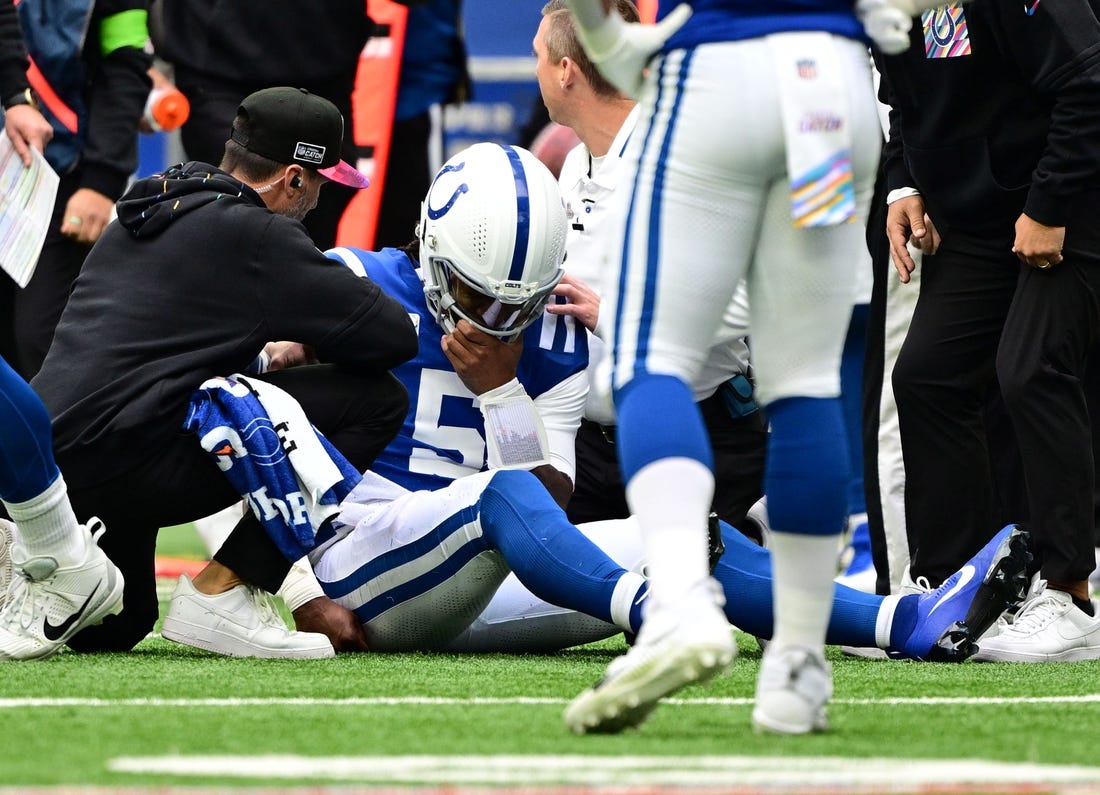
(621,49)
(1037,245)
(906,222)
(584,303)
(26,128)
(86,216)
(282,355)
(887,23)
(482,361)
(341,626)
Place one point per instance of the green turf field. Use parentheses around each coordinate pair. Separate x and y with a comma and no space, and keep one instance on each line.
(166,715)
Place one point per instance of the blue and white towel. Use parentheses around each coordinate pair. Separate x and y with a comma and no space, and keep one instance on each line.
(290,474)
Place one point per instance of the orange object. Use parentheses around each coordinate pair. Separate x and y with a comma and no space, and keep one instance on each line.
(647,10)
(166,109)
(374,99)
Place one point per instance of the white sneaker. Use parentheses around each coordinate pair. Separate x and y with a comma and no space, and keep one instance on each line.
(792,690)
(7,538)
(859,573)
(47,604)
(1048,628)
(677,645)
(242,622)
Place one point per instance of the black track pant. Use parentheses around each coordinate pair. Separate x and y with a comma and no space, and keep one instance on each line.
(178,483)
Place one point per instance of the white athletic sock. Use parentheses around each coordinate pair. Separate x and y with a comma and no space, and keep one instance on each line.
(630,587)
(48,526)
(884,624)
(671,499)
(803,567)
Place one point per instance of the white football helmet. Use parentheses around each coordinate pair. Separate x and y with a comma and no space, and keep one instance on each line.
(492,239)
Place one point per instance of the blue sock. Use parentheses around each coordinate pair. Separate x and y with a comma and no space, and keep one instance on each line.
(806,479)
(658,418)
(905,619)
(27,466)
(745,573)
(551,557)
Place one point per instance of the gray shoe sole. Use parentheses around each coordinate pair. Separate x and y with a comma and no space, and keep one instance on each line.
(627,699)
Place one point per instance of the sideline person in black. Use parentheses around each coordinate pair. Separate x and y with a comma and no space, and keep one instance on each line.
(90,81)
(993,169)
(204,267)
(221,52)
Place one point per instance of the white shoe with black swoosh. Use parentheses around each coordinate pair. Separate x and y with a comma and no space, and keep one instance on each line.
(47,604)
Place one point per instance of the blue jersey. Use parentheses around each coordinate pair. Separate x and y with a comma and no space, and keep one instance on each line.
(734,20)
(443,436)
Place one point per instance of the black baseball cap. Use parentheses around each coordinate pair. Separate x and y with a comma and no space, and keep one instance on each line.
(291,125)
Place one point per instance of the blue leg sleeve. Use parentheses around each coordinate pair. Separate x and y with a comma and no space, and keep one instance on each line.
(745,573)
(553,559)
(658,418)
(807,474)
(27,467)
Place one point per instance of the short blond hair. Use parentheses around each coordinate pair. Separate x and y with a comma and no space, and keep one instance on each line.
(562,41)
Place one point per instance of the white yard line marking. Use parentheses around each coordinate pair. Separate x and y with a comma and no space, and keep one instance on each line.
(774,773)
(929,701)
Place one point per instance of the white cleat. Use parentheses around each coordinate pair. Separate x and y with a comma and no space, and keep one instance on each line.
(242,622)
(678,645)
(46,604)
(792,690)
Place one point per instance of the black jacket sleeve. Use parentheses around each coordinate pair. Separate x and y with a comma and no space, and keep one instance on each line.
(13,52)
(119,87)
(317,301)
(1057,50)
(893,150)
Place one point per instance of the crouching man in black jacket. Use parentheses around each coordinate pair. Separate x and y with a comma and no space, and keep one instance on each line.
(204,267)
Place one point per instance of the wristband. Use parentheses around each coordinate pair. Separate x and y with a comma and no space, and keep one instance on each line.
(514,433)
(300,586)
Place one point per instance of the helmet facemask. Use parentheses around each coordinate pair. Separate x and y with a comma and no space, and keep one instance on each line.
(501,309)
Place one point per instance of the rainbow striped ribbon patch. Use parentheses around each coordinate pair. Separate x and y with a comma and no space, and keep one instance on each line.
(945,32)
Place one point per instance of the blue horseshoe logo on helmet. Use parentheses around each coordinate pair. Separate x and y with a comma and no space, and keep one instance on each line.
(435,215)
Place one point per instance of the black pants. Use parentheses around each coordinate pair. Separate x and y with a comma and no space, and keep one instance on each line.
(944,379)
(1008,492)
(214,105)
(1043,367)
(739,445)
(28,317)
(179,483)
(958,465)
